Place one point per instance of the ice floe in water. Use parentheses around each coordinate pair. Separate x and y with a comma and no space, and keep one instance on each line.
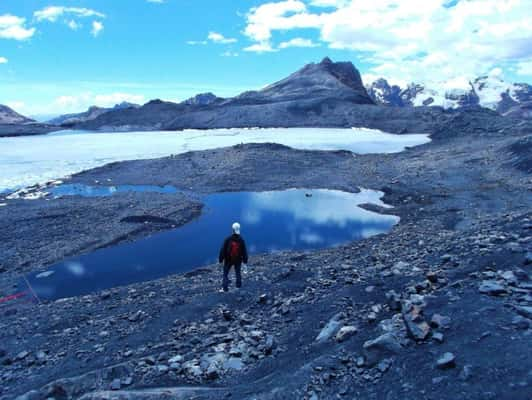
(29,160)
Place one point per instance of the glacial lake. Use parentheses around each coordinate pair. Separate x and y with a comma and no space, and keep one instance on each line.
(30,160)
(295,219)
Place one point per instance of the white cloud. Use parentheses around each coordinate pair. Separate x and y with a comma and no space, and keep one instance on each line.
(262,47)
(229,54)
(109,100)
(415,39)
(281,16)
(524,68)
(197,42)
(97,28)
(53,13)
(82,101)
(3,60)
(156,1)
(219,38)
(73,25)
(13,27)
(298,42)
(213,37)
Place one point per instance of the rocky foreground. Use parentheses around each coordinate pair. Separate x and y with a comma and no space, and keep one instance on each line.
(439,308)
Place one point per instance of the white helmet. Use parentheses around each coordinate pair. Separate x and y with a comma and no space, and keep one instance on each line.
(236,228)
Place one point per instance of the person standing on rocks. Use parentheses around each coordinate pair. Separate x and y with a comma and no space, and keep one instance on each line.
(233,253)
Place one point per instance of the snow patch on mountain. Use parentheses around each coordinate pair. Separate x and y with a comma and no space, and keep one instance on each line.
(489,91)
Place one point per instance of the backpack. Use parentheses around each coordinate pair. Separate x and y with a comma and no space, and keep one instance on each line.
(234,251)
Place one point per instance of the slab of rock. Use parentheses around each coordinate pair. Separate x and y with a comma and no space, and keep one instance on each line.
(446,361)
(509,277)
(525,311)
(440,321)
(394,300)
(331,328)
(438,336)
(346,332)
(382,347)
(491,288)
(115,384)
(416,327)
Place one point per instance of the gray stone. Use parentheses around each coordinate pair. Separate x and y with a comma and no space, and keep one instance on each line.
(438,336)
(127,381)
(331,328)
(509,277)
(346,332)
(176,359)
(383,346)
(446,361)
(491,288)
(269,345)
(115,384)
(440,321)
(416,327)
(384,365)
(163,369)
(212,372)
(234,363)
(525,311)
(21,356)
(466,373)
(394,300)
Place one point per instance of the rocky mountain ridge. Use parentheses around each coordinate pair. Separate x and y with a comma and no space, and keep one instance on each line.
(9,116)
(92,113)
(487,91)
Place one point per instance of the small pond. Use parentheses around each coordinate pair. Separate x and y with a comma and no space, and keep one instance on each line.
(295,219)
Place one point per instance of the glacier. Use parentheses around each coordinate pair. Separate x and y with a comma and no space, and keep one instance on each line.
(31,160)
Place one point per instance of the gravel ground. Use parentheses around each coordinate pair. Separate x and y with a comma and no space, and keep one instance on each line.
(439,308)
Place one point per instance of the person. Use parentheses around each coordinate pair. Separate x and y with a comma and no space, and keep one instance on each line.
(233,253)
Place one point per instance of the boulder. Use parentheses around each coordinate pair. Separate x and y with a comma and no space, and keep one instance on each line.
(382,347)
(440,321)
(331,328)
(446,361)
(491,288)
(346,332)
(416,327)
(394,300)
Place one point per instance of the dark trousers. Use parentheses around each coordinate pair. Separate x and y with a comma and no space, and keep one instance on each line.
(238,274)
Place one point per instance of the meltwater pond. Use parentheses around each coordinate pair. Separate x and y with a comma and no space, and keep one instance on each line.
(294,219)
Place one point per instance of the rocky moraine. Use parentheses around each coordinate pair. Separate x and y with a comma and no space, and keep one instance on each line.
(438,308)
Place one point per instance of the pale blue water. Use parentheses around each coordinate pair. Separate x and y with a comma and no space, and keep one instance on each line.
(294,219)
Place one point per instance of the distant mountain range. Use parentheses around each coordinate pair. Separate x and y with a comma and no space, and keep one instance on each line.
(324,94)
(488,91)
(9,116)
(92,113)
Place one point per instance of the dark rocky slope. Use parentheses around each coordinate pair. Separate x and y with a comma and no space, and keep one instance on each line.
(14,124)
(92,113)
(9,116)
(453,277)
(326,94)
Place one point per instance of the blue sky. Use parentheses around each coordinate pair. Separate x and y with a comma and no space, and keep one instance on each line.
(64,55)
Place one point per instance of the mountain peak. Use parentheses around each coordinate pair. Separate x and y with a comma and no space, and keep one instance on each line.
(340,80)
(9,116)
